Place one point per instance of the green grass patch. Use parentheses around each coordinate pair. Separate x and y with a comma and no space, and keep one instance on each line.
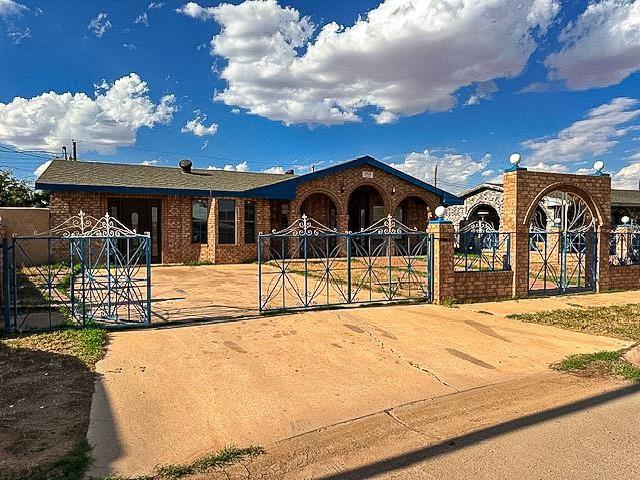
(88,344)
(600,364)
(210,462)
(618,321)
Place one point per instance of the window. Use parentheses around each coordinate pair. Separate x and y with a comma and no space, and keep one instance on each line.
(199,215)
(249,222)
(226,222)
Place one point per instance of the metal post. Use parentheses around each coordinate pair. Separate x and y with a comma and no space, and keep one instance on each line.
(108,257)
(84,289)
(15,283)
(49,280)
(348,238)
(260,272)
(306,272)
(5,284)
(148,259)
(72,276)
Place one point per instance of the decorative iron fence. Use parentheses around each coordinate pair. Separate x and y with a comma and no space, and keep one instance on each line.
(624,248)
(84,271)
(482,251)
(561,261)
(309,265)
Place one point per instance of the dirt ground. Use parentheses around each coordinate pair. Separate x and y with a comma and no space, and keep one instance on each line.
(171,394)
(45,400)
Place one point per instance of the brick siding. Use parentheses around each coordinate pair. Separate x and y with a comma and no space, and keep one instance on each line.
(482,285)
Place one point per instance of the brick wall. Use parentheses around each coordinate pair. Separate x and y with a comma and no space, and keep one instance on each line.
(482,285)
(624,277)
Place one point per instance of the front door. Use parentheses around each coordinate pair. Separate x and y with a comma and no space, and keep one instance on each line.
(141,216)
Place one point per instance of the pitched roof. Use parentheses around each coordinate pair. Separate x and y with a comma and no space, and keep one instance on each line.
(98,176)
(628,198)
(65,175)
(498,187)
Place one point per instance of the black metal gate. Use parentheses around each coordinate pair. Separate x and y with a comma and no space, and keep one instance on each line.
(309,265)
(82,272)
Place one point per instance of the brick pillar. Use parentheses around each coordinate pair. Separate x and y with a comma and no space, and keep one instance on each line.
(513,223)
(443,276)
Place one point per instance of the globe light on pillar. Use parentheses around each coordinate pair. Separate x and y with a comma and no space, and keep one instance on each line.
(514,160)
(625,220)
(598,166)
(440,211)
(556,222)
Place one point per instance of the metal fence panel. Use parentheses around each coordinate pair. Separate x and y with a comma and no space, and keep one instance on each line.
(309,265)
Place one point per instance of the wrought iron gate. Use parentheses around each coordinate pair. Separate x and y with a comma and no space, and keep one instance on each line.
(84,271)
(309,265)
(562,249)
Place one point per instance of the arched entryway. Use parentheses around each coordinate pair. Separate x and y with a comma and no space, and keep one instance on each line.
(365,207)
(562,243)
(321,208)
(483,214)
(414,212)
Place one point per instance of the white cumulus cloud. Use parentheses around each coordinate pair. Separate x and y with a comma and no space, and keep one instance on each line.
(109,119)
(454,170)
(627,177)
(240,167)
(142,19)
(601,48)
(99,25)
(197,126)
(596,134)
(11,7)
(403,57)
(155,6)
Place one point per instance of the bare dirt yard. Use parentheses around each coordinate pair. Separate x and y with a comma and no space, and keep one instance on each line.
(46,386)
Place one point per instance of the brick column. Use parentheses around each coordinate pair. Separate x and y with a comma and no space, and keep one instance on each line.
(443,276)
(513,223)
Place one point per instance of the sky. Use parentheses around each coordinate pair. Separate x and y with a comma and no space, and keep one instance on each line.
(268,85)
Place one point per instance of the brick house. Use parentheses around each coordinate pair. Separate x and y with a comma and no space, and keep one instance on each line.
(216,215)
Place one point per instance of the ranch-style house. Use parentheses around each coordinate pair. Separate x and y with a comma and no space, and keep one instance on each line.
(215,216)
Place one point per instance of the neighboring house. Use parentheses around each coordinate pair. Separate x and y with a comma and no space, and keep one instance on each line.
(216,215)
(484,202)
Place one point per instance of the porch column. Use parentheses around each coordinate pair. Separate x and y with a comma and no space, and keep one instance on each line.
(443,244)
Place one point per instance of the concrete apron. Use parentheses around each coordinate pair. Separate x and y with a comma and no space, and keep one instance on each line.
(172,394)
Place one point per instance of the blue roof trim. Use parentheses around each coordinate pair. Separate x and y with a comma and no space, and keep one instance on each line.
(447,198)
(284,190)
(255,193)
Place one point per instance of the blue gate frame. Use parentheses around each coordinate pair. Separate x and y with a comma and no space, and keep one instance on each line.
(309,265)
(85,271)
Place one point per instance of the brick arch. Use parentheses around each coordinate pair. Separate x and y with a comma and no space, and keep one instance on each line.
(297,205)
(477,204)
(596,211)
(367,183)
(429,201)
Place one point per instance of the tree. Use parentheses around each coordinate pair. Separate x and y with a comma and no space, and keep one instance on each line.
(20,193)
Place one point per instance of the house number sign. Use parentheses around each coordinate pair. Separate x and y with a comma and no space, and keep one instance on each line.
(367,174)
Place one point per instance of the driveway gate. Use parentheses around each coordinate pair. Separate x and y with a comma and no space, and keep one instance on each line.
(84,271)
(563,245)
(309,265)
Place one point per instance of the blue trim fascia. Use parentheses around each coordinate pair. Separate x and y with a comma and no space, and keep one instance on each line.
(599,174)
(441,220)
(284,190)
(447,198)
(277,194)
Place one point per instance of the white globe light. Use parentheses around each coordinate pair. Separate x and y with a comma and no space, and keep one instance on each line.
(625,219)
(598,166)
(515,158)
(557,221)
(440,210)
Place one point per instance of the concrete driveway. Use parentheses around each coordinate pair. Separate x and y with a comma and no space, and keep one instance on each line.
(171,394)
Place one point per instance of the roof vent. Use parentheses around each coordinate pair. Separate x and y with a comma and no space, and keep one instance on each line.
(185,165)
(289,172)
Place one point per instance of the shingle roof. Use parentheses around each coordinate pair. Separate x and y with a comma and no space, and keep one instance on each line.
(103,176)
(65,175)
(630,198)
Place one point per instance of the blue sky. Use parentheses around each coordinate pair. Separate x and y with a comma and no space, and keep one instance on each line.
(414,83)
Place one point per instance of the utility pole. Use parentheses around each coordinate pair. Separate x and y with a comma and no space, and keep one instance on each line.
(64,152)
(74,153)
(435,175)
